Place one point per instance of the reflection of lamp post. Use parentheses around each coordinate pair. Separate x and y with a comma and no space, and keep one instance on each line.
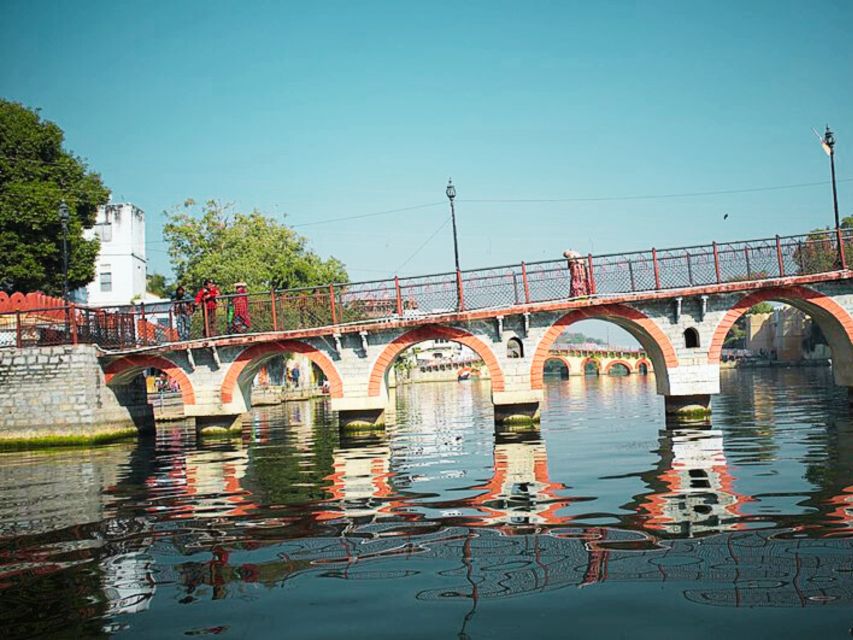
(63,218)
(451,195)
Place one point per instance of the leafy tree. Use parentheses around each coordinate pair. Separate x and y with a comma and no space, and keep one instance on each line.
(761,307)
(156,283)
(228,247)
(819,252)
(36,174)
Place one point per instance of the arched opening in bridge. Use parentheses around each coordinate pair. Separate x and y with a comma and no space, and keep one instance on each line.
(514,348)
(271,372)
(786,325)
(155,381)
(598,337)
(557,367)
(691,338)
(438,359)
(619,369)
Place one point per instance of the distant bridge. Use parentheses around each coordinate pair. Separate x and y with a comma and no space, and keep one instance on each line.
(678,303)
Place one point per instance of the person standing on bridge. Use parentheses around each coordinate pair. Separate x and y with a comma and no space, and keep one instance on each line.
(238,310)
(206,297)
(182,308)
(578,275)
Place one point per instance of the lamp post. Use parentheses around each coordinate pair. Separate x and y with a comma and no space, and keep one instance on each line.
(828,143)
(451,195)
(63,218)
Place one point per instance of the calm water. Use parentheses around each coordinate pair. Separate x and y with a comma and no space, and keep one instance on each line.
(604,523)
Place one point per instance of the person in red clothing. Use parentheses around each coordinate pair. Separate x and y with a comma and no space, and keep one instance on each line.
(238,312)
(206,297)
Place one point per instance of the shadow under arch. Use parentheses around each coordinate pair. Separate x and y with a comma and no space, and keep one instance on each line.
(654,342)
(246,365)
(125,369)
(563,361)
(835,322)
(433,332)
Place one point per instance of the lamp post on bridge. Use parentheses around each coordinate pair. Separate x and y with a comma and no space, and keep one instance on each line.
(63,218)
(828,143)
(451,195)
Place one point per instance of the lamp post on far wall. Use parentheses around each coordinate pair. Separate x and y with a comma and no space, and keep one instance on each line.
(63,218)
(828,143)
(451,195)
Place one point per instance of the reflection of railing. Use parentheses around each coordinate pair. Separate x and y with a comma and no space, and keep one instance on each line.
(424,296)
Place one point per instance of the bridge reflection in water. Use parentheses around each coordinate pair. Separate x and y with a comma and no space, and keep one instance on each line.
(441,508)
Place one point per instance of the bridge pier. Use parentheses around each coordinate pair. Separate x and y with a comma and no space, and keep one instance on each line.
(361,413)
(688,408)
(517,407)
(218,424)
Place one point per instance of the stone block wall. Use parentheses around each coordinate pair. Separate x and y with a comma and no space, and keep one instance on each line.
(59,392)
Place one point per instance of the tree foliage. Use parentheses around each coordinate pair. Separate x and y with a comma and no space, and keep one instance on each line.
(36,174)
(820,251)
(156,283)
(214,242)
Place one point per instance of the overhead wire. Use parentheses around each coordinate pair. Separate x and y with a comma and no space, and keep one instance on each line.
(424,244)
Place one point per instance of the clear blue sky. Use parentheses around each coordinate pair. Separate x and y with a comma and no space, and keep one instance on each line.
(331,109)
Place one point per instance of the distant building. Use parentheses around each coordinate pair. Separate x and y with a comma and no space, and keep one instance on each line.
(121,267)
(782,335)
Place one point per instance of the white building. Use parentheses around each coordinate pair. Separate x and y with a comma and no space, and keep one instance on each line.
(120,271)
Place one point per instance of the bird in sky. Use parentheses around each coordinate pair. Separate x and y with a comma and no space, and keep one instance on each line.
(725,216)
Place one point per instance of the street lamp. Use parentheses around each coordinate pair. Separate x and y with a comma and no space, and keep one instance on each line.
(63,218)
(828,143)
(451,195)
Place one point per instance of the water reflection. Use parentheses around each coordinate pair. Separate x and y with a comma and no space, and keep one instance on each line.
(754,511)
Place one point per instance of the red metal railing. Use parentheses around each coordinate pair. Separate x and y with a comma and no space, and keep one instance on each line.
(36,319)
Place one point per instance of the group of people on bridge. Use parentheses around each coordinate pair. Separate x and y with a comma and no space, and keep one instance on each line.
(237,312)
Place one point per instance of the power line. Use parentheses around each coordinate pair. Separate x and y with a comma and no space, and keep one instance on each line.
(425,243)
(693,194)
(368,215)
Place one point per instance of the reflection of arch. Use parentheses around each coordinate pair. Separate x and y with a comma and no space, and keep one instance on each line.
(832,318)
(586,364)
(648,334)
(432,332)
(254,356)
(643,363)
(618,362)
(125,369)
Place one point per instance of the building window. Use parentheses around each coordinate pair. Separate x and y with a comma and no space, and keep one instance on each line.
(104,232)
(106,281)
(691,338)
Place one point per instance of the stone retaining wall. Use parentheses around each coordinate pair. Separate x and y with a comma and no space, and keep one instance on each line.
(58,393)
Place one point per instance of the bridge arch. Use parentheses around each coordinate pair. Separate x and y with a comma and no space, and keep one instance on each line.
(245,365)
(615,363)
(643,362)
(596,364)
(125,369)
(562,360)
(835,322)
(433,332)
(653,340)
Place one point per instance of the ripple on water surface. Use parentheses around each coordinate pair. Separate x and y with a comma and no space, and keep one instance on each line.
(443,525)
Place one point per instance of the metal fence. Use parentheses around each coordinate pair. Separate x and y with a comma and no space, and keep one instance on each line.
(425,296)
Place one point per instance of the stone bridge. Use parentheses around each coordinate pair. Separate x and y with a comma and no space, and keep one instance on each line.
(679,304)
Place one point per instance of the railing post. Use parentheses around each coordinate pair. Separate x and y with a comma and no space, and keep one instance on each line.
(274,311)
(841,257)
(172,333)
(689,269)
(332,306)
(72,323)
(748,265)
(398,295)
(716,262)
(526,283)
(206,318)
(19,334)
(590,275)
(656,267)
(460,296)
(143,328)
(779,256)
(631,275)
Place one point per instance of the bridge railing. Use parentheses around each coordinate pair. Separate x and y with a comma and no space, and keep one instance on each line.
(423,296)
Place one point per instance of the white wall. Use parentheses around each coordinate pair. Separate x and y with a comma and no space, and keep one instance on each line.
(121,228)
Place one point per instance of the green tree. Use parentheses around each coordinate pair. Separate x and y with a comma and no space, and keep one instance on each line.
(819,252)
(36,174)
(156,283)
(215,242)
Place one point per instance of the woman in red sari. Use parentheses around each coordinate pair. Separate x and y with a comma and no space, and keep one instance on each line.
(578,275)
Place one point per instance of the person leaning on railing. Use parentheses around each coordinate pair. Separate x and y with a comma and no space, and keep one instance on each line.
(206,297)
(579,276)
(183,308)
